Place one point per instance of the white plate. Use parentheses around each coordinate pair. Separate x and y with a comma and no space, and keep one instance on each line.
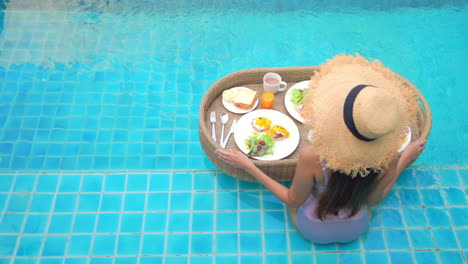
(407,140)
(289,105)
(282,148)
(231,107)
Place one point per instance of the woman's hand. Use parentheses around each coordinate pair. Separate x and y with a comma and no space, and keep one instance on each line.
(413,150)
(235,158)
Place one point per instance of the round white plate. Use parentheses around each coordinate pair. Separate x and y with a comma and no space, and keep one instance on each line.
(407,140)
(289,105)
(231,107)
(282,148)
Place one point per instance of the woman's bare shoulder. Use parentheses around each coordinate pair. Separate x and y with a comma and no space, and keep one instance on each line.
(310,155)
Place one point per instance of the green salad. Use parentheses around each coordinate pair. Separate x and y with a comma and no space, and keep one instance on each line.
(259,144)
(297,96)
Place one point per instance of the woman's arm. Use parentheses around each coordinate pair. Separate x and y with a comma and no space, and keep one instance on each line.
(396,167)
(302,183)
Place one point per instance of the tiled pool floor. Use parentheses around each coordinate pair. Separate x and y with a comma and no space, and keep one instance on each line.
(210,217)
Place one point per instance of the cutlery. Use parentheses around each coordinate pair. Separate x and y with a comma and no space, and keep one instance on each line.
(224,120)
(231,130)
(213,121)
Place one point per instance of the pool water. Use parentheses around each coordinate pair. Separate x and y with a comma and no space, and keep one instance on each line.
(100,160)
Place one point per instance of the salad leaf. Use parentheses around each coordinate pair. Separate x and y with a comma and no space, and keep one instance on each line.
(297,96)
(259,144)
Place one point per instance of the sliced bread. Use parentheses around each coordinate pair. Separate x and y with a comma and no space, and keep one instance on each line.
(245,98)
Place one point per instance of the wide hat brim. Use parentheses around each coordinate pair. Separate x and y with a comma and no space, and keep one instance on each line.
(323,111)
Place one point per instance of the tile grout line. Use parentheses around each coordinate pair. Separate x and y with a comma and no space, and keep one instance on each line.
(143,225)
(215,217)
(238,222)
(262,230)
(190,220)
(20,236)
(168,210)
(98,219)
(287,232)
(77,202)
(122,206)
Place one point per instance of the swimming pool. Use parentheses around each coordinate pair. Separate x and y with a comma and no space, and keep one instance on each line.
(98,130)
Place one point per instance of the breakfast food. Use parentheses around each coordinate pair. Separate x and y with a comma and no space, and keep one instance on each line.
(278,132)
(297,98)
(261,124)
(245,98)
(229,95)
(259,145)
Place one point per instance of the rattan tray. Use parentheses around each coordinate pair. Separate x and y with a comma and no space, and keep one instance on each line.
(280,170)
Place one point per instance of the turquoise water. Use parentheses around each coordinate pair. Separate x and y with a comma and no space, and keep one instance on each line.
(99,131)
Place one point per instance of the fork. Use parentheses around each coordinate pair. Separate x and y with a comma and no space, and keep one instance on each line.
(213,121)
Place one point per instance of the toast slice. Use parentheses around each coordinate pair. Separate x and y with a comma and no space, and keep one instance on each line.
(245,98)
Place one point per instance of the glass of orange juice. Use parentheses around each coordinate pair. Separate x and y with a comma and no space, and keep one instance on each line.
(267,100)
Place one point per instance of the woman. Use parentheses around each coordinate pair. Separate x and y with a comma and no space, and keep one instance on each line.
(358,112)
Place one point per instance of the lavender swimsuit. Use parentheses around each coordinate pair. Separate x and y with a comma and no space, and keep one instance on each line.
(336,228)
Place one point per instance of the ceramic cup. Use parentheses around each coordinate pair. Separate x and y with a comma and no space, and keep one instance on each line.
(272,83)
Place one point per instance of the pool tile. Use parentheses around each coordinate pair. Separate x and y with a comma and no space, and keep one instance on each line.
(108,223)
(376,257)
(128,244)
(92,183)
(89,202)
(202,222)
(459,216)
(41,203)
(227,200)
(227,259)
(54,246)
(179,222)
(274,221)
(79,245)
(414,217)
(152,260)
(425,257)
(401,257)
(6,182)
(438,217)
(202,244)
(18,202)
(250,243)
(451,257)
(298,243)
(333,247)
(52,260)
(448,178)
(137,182)
(354,245)
(177,244)
(155,222)
(65,203)
(271,202)
(181,201)
(131,223)
(153,244)
(160,182)
(432,197)
(70,183)
(409,197)
(226,221)
(47,183)
(203,201)
(182,182)
(134,202)
(397,239)
(391,218)
(427,178)
(275,242)
(226,182)
(111,202)
(227,243)
(11,223)
(24,183)
(277,258)
(445,238)
(462,235)
(373,240)
(353,258)
(60,223)
(331,258)
(7,245)
(249,200)
(115,183)
(421,239)
(250,221)
(455,197)
(84,223)
(104,245)
(36,224)
(392,199)
(407,179)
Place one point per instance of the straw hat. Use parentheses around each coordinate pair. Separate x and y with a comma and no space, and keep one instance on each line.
(358,111)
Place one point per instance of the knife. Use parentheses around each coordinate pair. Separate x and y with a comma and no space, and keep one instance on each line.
(231,130)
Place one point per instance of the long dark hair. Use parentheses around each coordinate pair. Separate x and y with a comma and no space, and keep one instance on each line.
(345,192)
